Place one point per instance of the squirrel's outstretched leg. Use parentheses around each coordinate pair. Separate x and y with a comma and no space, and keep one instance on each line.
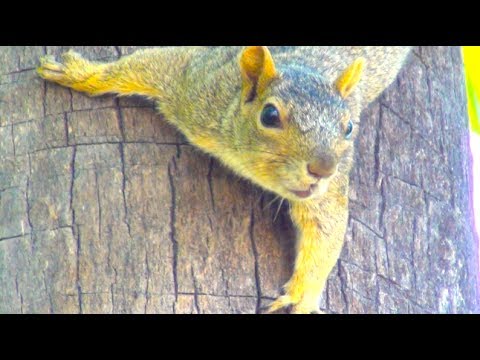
(321,232)
(146,72)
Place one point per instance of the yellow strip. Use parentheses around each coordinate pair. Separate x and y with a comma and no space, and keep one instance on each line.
(471,59)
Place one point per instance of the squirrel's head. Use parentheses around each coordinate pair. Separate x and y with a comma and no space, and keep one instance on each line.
(296,131)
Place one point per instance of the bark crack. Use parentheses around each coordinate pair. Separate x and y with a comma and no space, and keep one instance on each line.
(112,293)
(376,150)
(255,257)
(210,182)
(186,293)
(75,230)
(327,297)
(172,227)
(420,58)
(366,225)
(18,71)
(195,291)
(13,140)
(65,124)
(48,293)
(412,184)
(377,284)
(343,285)
(121,123)
(412,252)
(147,287)
(381,218)
(13,237)
(119,51)
(44,99)
(413,131)
(71,145)
(227,286)
(99,205)
(29,206)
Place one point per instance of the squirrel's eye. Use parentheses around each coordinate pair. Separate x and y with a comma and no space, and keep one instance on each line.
(349,132)
(271,117)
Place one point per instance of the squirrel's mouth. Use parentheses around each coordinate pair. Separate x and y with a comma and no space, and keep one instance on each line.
(303,194)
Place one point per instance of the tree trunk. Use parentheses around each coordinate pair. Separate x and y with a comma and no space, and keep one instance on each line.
(106,209)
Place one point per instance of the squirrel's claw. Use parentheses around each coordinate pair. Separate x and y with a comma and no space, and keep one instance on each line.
(50,69)
(48,62)
(55,71)
(286,301)
(280,303)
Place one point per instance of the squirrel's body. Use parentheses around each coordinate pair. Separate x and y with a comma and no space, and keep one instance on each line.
(283,117)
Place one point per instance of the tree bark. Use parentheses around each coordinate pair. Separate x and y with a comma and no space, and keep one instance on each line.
(104,208)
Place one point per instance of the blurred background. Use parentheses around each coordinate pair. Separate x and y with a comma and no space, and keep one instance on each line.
(471,57)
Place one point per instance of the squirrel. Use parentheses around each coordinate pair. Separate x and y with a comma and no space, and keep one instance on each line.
(283,117)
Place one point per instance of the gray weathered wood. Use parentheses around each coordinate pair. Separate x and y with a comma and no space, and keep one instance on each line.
(106,209)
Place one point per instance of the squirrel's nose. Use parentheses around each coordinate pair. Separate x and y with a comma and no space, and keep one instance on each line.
(323,167)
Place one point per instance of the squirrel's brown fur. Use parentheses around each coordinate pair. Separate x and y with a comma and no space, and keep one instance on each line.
(284,117)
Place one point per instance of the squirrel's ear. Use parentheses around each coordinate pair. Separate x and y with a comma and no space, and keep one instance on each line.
(350,78)
(258,70)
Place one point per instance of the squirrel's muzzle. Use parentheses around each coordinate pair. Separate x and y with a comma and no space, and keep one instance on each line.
(323,166)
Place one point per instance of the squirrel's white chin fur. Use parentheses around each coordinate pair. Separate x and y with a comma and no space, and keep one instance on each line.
(321,189)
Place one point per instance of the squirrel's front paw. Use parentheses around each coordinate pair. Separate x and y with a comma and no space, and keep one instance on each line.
(298,298)
(50,69)
(63,73)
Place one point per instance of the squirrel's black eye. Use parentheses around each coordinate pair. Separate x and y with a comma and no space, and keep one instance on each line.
(271,117)
(349,132)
